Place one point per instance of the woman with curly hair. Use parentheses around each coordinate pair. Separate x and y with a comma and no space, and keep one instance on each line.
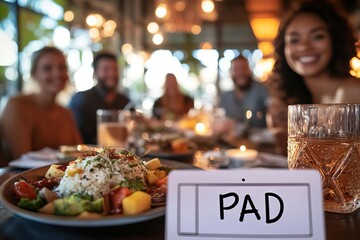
(313,50)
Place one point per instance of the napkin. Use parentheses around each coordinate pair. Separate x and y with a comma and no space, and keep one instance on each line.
(43,157)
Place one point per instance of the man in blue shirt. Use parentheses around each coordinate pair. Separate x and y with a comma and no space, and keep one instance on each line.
(103,95)
(246,103)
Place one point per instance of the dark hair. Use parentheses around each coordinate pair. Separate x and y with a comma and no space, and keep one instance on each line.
(343,49)
(39,53)
(170,75)
(240,57)
(103,55)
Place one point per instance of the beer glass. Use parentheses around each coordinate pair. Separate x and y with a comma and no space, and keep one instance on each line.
(111,128)
(326,137)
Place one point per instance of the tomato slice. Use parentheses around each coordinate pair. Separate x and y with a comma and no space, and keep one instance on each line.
(24,190)
(116,197)
(161,182)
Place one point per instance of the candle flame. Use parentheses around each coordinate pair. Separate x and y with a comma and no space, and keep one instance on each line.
(200,128)
(248,114)
(242,148)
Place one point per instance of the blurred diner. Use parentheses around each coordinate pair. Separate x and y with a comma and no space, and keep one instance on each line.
(313,49)
(31,122)
(246,104)
(173,104)
(104,95)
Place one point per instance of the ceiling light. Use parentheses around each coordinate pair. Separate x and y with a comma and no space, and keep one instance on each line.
(158,39)
(180,6)
(196,29)
(265,28)
(207,6)
(91,20)
(127,48)
(267,48)
(68,16)
(206,45)
(109,25)
(94,33)
(161,10)
(99,20)
(153,27)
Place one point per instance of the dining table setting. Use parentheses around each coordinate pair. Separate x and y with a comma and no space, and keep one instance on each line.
(177,147)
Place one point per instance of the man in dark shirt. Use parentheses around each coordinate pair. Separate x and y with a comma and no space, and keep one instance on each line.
(247,102)
(102,96)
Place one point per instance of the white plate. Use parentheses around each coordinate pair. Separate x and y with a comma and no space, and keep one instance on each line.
(36,159)
(7,197)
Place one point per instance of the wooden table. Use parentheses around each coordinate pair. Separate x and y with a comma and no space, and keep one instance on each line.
(338,227)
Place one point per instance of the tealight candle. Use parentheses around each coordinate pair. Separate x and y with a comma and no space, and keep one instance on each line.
(201,129)
(241,154)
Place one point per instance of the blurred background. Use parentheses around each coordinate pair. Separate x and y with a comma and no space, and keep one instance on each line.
(194,39)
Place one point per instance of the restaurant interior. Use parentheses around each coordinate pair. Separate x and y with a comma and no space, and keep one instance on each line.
(196,41)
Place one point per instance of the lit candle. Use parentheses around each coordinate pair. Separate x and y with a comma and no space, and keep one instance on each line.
(242,153)
(200,129)
(248,114)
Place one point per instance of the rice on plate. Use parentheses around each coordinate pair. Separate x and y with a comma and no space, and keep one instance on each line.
(97,174)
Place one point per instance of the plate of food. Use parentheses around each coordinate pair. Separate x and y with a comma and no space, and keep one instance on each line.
(106,187)
(70,152)
(175,149)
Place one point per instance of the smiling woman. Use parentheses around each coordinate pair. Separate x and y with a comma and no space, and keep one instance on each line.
(313,50)
(32,122)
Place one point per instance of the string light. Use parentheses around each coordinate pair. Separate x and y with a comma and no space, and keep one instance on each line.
(68,16)
(153,27)
(161,10)
(207,6)
(158,39)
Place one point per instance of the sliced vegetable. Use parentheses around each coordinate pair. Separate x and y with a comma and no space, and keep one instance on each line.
(136,184)
(151,178)
(160,173)
(24,190)
(116,197)
(48,195)
(55,171)
(162,182)
(136,203)
(97,205)
(32,205)
(68,206)
(153,164)
(47,209)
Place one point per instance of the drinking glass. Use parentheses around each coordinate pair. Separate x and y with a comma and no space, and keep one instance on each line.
(112,130)
(136,126)
(326,137)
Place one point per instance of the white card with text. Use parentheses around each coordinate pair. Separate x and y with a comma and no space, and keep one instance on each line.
(244,204)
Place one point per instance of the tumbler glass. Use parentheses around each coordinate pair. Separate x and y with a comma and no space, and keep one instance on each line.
(326,137)
(112,129)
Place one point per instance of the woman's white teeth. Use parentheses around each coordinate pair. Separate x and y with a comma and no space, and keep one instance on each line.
(307,59)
